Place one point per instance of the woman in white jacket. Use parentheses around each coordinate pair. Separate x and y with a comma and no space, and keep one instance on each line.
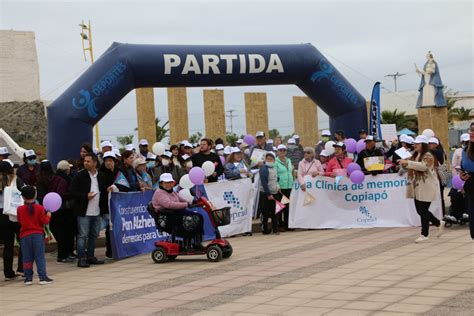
(424,185)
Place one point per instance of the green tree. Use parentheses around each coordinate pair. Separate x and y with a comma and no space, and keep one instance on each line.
(231,139)
(195,138)
(462,114)
(124,140)
(273,133)
(161,130)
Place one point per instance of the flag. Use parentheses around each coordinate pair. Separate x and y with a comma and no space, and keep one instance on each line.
(374,126)
(121,180)
(279,207)
(285,200)
(308,199)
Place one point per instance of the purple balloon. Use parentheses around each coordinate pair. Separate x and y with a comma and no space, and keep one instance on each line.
(458,183)
(52,202)
(357,177)
(351,145)
(352,167)
(249,140)
(360,146)
(197,175)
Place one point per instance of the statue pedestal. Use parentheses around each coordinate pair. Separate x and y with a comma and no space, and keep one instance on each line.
(437,120)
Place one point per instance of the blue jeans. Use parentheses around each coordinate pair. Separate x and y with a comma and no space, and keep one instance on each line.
(32,250)
(88,231)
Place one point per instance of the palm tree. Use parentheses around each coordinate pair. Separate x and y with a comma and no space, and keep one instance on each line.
(195,138)
(124,140)
(462,114)
(161,130)
(400,119)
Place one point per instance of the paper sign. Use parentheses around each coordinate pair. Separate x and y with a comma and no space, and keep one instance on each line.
(258,155)
(403,153)
(285,200)
(308,199)
(389,131)
(279,207)
(374,163)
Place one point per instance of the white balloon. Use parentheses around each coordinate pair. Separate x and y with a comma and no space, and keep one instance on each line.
(185,182)
(329,147)
(208,168)
(186,195)
(158,148)
(428,133)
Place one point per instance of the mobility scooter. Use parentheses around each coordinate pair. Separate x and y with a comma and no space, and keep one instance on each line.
(175,245)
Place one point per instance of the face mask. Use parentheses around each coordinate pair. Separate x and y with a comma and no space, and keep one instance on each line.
(150,164)
(31,162)
(165,162)
(292,146)
(270,164)
(189,164)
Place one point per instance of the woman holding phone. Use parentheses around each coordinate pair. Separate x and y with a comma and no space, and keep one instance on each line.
(467,175)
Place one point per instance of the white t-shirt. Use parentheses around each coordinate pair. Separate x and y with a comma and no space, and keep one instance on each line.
(456,162)
(93,208)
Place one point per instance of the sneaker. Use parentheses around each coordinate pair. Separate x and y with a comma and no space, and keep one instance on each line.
(94,260)
(46,281)
(440,228)
(421,239)
(64,261)
(28,282)
(275,232)
(465,216)
(82,263)
(451,219)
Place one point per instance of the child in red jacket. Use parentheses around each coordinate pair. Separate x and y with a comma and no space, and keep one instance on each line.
(32,218)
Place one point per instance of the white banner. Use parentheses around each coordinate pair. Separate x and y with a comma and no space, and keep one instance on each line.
(240,196)
(378,202)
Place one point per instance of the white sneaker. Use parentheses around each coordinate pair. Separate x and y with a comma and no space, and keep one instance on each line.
(440,228)
(465,216)
(421,239)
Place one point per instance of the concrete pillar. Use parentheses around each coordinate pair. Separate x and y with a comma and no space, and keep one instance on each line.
(256,113)
(146,114)
(305,117)
(214,113)
(178,114)
(435,119)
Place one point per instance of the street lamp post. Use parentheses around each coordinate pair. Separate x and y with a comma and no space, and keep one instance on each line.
(86,37)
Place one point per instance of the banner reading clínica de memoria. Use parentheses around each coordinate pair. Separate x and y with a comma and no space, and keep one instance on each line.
(133,230)
(378,202)
(240,196)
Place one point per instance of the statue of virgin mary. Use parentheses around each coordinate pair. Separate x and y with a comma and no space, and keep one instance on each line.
(431,87)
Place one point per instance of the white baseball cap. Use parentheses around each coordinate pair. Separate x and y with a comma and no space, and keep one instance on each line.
(29,153)
(260,134)
(421,139)
(143,142)
(234,150)
(239,141)
(109,154)
(186,157)
(291,141)
(9,161)
(369,138)
(117,152)
(465,137)
(167,154)
(326,132)
(270,141)
(409,140)
(106,143)
(227,150)
(403,138)
(281,147)
(187,144)
(219,147)
(129,147)
(63,165)
(296,136)
(339,144)
(166,177)
(324,153)
(4,151)
(150,156)
(433,140)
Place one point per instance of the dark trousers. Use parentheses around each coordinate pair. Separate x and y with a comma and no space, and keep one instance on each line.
(443,205)
(63,227)
(32,248)
(283,218)
(422,208)
(458,203)
(268,211)
(469,189)
(9,230)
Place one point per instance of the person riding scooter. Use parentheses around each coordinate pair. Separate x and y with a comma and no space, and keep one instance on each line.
(172,215)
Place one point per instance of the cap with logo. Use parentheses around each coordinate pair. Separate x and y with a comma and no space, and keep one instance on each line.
(110,154)
(235,150)
(339,144)
(291,141)
(281,147)
(187,144)
(106,143)
(30,153)
(369,138)
(465,137)
(433,140)
(143,142)
(4,151)
(421,139)
(324,153)
(166,177)
(227,150)
(260,134)
(219,147)
(129,147)
(326,132)
(167,154)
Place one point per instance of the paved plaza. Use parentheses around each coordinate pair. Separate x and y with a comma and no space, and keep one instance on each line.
(323,272)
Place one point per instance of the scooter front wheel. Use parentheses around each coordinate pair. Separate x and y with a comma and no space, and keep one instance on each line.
(214,253)
(159,255)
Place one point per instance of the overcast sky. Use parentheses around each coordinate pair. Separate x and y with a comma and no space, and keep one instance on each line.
(364,40)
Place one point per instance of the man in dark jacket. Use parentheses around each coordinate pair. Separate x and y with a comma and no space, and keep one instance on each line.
(206,155)
(369,151)
(89,191)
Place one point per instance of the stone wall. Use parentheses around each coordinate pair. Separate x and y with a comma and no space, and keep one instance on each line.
(25,122)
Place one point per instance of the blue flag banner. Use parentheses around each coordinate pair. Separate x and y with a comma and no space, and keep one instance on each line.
(120,179)
(374,125)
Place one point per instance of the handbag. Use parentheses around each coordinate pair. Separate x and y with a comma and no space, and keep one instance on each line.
(11,201)
(443,172)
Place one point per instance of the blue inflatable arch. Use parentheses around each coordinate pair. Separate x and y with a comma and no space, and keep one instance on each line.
(124,67)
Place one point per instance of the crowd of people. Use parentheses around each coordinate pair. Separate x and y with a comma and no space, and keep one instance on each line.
(84,184)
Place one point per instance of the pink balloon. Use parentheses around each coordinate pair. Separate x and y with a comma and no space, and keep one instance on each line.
(351,145)
(52,202)
(357,177)
(197,175)
(360,146)
(352,167)
(458,183)
(249,140)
